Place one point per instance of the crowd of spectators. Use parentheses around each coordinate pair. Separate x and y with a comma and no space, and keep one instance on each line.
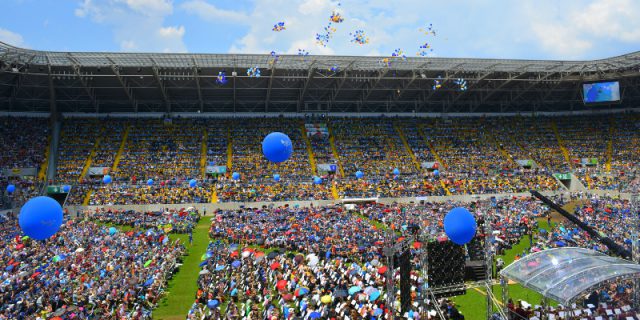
(170,192)
(23,141)
(77,140)
(84,272)
(177,221)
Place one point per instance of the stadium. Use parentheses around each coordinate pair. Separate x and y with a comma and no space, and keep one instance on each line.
(262,186)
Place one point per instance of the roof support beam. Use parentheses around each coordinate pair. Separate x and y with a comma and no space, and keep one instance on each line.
(367,91)
(53,107)
(127,90)
(196,77)
(85,86)
(266,101)
(17,83)
(342,81)
(303,91)
(163,91)
(537,82)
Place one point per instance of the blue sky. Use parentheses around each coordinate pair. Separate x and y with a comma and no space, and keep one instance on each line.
(518,29)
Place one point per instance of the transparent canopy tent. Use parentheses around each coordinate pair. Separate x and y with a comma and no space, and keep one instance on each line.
(566,274)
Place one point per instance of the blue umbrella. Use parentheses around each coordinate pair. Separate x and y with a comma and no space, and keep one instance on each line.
(353,290)
(213,303)
(373,296)
(314,315)
(561,244)
(377,312)
(203,263)
(543,230)
(236,264)
(220,268)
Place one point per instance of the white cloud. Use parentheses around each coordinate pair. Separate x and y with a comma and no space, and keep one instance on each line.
(12,38)
(138,25)
(579,28)
(211,13)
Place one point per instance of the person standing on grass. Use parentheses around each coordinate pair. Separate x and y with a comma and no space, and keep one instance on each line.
(190,236)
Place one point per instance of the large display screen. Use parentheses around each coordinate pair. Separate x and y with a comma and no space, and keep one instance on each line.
(601,92)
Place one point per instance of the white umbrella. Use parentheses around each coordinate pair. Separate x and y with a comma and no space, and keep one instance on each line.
(80,250)
(313,261)
(205,271)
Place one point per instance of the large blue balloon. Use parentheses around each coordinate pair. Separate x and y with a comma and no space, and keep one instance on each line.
(276,177)
(359,174)
(66,188)
(213,303)
(235,176)
(150,182)
(460,225)
(193,183)
(277,147)
(112,231)
(11,188)
(396,171)
(106,179)
(436,172)
(317,180)
(40,218)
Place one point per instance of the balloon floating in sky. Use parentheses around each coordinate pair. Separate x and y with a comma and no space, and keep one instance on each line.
(11,188)
(40,218)
(277,147)
(254,72)
(428,30)
(279,27)
(460,225)
(106,179)
(462,84)
(437,83)
(221,79)
(336,17)
(274,59)
(334,68)
(359,37)
(398,53)
(303,53)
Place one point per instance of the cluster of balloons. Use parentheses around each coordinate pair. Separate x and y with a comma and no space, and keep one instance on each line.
(254,72)
(359,37)
(279,27)
(303,53)
(274,59)
(460,226)
(461,83)
(221,79)
(437,83)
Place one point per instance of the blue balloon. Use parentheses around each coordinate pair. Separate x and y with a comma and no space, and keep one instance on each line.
(193,183)
(235,176)
(396,171)
(66,188)
(112,231)
(276,177)
(11,188)
(106,179)
(436,172)
(460,225)
(317,180)
(359,174)
(40,218)
(277,147)
(150,182)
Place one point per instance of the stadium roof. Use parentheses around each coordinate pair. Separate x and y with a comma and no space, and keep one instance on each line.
(564,274)
(32,80)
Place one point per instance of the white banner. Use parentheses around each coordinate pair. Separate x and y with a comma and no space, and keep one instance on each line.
(98,171)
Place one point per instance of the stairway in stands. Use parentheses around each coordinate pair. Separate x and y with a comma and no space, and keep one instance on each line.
(87,163)
(435,154)
(407,148)
(307,143)
(564,150)
(336,155)
(116,161)
(229,152)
